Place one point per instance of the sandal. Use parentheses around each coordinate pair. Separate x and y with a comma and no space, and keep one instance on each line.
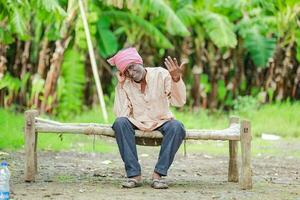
(131,183)
(159,184)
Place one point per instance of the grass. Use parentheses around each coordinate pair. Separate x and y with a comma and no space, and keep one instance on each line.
(279,119)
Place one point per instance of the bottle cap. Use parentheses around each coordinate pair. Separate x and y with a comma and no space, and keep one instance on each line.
(4,163)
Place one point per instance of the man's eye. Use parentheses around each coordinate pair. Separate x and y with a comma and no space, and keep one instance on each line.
(130,67)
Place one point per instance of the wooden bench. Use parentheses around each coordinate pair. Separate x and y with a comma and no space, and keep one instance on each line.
(237,131)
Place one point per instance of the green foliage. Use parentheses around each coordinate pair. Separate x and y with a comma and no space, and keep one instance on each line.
(260,39)
(229,99)
(298,45)
(48,10)
(11,129)
(5,36)
(187,15)
(107,41)
(254,91)
(19,15)
(244,104)
(19,12)
(71,84)
(37,86)
(217,26)
(270,93)
(230,8)
(205,83)
(53,33)
(221,90)
(145,27)
(161,9)
(80,35)
(260,48)
(12,84)
(219,29)
(243,85)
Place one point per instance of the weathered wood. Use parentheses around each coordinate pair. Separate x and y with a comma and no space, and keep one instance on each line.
(233,173)
(234,133)
(30,145)
(231,133)
(246,173)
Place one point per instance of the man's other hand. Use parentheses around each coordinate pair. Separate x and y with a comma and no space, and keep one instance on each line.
(121,77)
(174,68)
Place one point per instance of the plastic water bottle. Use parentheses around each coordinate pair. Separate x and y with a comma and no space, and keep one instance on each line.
(4,181)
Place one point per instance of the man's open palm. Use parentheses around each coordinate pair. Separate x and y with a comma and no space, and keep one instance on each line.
(174,68)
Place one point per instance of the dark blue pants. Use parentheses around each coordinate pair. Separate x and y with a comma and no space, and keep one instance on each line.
(173,134)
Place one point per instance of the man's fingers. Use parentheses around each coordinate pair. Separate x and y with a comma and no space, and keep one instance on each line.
(168,64)
(172,62)
(176,63)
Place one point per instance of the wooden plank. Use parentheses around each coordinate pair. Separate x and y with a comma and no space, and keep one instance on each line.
(231,133)
(246,172)
(30,145)
(233,173)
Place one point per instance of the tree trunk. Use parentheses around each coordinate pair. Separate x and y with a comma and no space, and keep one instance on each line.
(3,62)
(57,58)
(212,61)
(52,76)
(25,68)
(42,63)
(196,88)
(16,67)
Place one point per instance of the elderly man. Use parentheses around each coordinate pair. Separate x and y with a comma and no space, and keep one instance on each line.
(142,99)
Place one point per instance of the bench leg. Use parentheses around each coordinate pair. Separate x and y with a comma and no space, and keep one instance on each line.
(233,172)
(246,172)
(30,145)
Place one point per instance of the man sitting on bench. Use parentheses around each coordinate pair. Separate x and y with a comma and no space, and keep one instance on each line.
(142,99)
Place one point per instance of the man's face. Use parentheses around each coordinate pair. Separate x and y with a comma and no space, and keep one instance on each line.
(135,72)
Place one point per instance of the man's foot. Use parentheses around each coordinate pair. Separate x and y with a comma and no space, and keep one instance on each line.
(158,182)
(132,182)
(156,176)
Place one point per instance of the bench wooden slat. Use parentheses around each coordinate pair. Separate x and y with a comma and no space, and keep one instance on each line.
(231,133)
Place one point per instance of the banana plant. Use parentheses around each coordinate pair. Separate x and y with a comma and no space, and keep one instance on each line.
(209,25)
(151,19)
(71,84)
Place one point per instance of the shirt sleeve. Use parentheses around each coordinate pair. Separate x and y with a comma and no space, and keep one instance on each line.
(122,105)
(175,90)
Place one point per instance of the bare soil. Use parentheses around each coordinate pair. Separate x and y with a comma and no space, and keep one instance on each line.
(74,175)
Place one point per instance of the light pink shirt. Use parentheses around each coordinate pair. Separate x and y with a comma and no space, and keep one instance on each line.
(150,110)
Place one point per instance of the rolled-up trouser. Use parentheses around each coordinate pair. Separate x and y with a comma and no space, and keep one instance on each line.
(173,134)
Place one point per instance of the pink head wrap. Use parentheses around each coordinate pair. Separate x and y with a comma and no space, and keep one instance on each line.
(125,57)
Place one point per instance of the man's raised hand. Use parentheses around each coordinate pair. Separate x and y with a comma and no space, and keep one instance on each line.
(173,68)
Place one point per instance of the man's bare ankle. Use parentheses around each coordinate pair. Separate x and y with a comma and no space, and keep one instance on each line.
(156,175)
(138,178)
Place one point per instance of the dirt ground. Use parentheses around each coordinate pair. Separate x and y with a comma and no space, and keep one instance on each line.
(74,175)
